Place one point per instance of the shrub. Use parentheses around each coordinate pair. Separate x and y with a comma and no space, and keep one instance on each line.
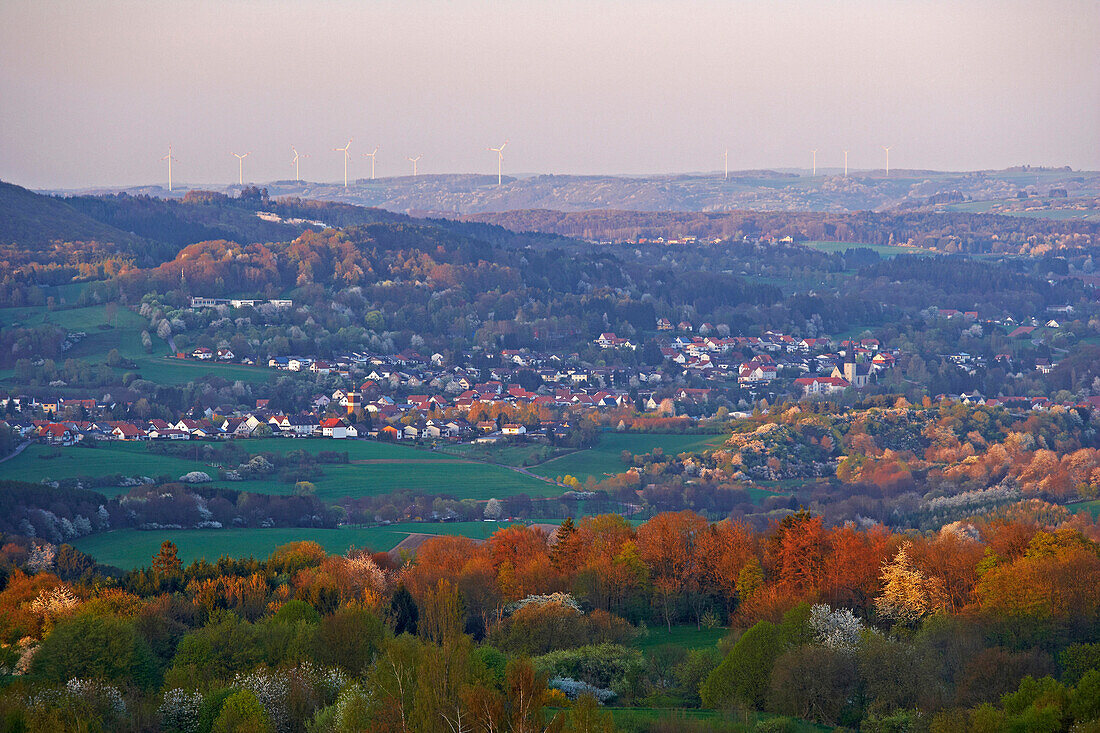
(179,712)
(242,713)
(97,647)
(601,665)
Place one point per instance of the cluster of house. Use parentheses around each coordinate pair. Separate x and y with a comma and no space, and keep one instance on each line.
(198,302)
(263,423)
(816,368)
(816,365)
(1017,402)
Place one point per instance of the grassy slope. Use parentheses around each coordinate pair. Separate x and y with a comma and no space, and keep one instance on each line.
(123,332)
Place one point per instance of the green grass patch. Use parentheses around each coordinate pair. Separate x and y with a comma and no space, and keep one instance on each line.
(170,370)
(521,454)
(38,462)
(396,467)
(1093,507)
(604,459)
(133,548)
(688,637)
(884,250)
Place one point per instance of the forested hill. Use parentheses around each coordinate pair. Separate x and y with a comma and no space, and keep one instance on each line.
(32,221)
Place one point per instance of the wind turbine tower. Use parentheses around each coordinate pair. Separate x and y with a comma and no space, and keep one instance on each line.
(371,156)
(297,178)
(240,166)
(500,159)
(887,149)
(169,158)
(417,159)
(845,163)
(814,151)
(344,150)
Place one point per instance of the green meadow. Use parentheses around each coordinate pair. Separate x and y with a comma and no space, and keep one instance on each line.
(688,637)
(374,467)
(384,468)
(133,548)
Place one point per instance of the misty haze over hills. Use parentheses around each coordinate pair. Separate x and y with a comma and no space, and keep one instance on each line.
(767,190)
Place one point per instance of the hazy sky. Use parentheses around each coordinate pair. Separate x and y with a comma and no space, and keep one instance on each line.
(92,93)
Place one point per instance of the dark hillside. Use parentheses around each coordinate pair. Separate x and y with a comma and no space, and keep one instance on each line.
(32,221)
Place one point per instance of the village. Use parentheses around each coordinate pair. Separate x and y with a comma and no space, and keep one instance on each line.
(524,395)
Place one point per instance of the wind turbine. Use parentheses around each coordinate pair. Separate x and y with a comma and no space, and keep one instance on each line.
(726,164)
(845,163)
(417,158)
(371,156)
(169,158)
(500,159)
(887,149)
(344,150)
(814,151)
(297,178)
(240,165)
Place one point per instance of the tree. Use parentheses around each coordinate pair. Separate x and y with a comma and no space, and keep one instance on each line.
(350,638)
(796,551)
(907,594)
(726,548)
(166,562)
(404,613)
(305,488)
(242,713)
(102,647)
(814,683)
(526,694)
(393,683)
(494,509)
(742,678)
(585,716)
(441,615)
(667,545)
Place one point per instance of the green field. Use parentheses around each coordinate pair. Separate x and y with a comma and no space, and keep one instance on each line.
(132,548)
(388,467)
(508,454)
(605,458)
(169,370)
(375,468)
(885,250)
(688,637)
(1093,507)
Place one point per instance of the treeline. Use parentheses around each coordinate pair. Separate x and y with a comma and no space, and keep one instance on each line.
(973,233)
(990,620)
(199,216)
(62,511)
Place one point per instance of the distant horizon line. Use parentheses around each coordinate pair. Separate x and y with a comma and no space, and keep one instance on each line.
(798,172)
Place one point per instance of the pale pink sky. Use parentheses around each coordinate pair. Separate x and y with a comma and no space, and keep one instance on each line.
(91,92)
